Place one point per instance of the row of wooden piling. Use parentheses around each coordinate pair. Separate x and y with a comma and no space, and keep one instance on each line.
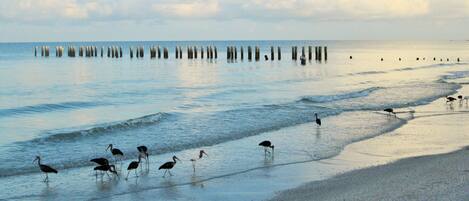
(318,53)
(192,52)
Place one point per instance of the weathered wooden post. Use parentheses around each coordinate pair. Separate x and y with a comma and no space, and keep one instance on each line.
(131,53)
(215,51)
(310,53)
(272,53)
(303,54)
(279,53)
(235,53)
(195,52)
(35,51)
(325,53)
(159,52)
(201,52)
(320,53)
(249,53)
(258,53)
(142,52)
(242,53)
(176,52)
(165,52)
(120,51)
(228,53)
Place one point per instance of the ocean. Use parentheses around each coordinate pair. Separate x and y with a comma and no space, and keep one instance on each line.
(67,110)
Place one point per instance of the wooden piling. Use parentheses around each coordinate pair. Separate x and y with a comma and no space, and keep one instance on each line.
(131,53)
(258,53)
(310,52)
(272,53)
(159,52)
(235,53)
(241,53)
(325,53)
(195,52)
(215,52)
(279,53)
(201,52)
(165,52)
(320,53)
(249,53)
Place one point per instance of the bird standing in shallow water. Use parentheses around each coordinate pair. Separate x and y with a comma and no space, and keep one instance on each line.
(193,160)
(105,168)
(318,120)
(450,99)
(133,166)
(143,150)
(100,161)
(115,152)
(267,144)
(390,111)
(168,166)
(45,168)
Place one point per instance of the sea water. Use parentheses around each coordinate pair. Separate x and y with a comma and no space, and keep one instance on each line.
(67,110)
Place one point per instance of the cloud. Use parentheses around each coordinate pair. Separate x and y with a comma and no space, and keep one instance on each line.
(188,9)
(86,11)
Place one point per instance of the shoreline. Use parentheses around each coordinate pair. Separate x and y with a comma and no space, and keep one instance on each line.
(426,159)
(415,178)
(271,176)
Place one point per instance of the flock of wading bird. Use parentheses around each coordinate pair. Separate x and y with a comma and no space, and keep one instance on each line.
(104,166)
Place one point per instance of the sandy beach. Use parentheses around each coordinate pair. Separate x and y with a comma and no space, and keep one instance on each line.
(435,164)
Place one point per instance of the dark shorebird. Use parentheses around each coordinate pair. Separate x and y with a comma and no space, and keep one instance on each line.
(318,120)
(44,168)
(168,166)
(267,144)
(193,160)
(143,150)
(133,166)
(106,168)
(450,99)
(389,111)
(100,161)
(463,98)
(115,152)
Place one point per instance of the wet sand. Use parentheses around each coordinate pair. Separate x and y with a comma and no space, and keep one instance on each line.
(436,130)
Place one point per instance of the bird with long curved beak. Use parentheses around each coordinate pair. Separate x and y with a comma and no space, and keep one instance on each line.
(115,152)
(168,166)
(44,168)
(201,154)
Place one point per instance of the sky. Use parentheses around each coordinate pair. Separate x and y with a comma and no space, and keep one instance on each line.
(141,20)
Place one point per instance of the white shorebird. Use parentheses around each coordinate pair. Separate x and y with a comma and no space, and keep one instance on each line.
(193,160)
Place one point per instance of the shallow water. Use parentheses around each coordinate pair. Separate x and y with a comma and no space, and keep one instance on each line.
(68,109)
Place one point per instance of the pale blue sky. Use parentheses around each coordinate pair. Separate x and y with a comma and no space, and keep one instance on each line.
(77,20)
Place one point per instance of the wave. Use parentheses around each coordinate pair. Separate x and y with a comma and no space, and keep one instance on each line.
(455,75)
(337,97)
(48,107)
(128,124)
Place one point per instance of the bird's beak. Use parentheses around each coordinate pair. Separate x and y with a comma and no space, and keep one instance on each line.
(205,154)
(35,160)
(178,159)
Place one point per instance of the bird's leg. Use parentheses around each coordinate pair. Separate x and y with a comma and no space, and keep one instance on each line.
(127,175)
(169,171)
(136,175)
(193,166)
(108,175)
(165,173)
(47,178)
